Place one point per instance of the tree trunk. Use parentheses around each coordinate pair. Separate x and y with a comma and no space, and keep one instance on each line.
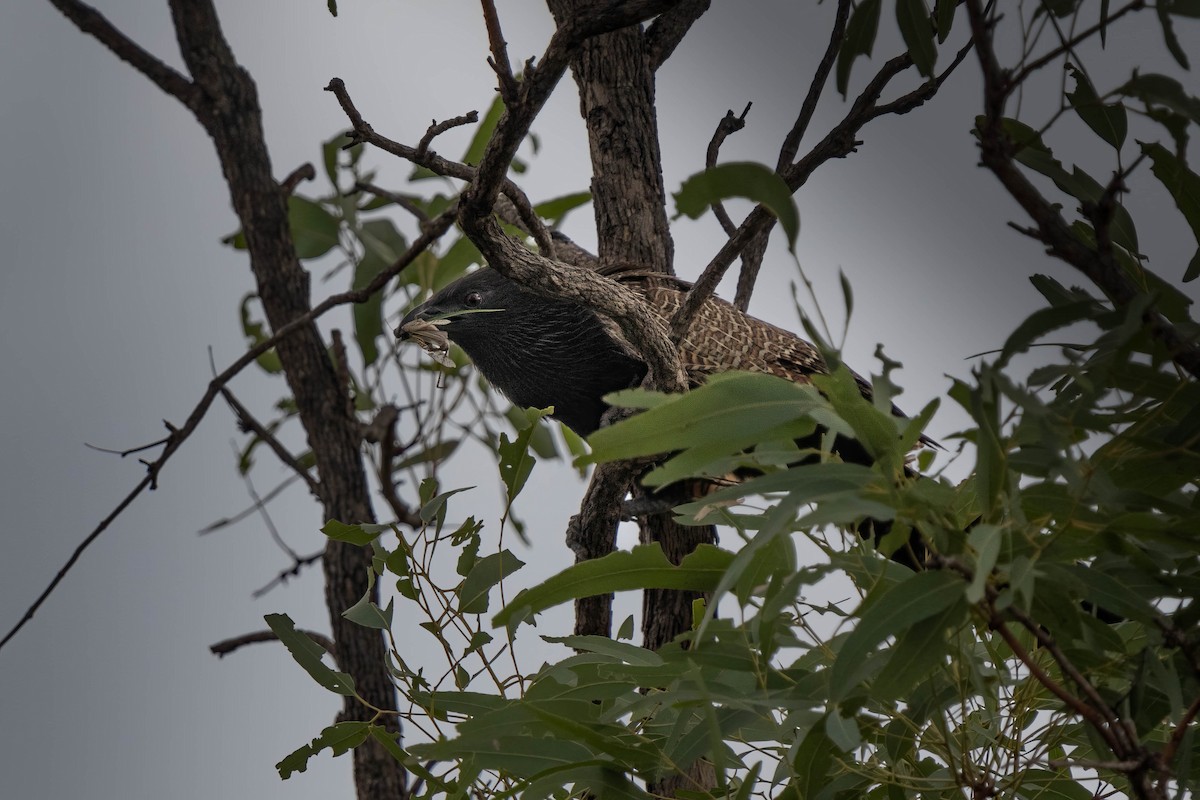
(232,117)
(616,91)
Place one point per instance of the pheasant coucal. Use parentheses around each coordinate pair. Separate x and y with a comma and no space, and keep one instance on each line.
(543,352)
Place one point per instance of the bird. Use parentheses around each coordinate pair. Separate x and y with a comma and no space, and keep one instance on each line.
(542,352)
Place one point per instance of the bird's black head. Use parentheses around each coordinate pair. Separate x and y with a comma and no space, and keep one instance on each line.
(538,351)
(472,309)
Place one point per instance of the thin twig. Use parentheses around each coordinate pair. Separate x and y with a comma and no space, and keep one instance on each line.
(298,563)
(247,420)
(362,132)
(130,451)
(499,59)
(392,197)
(96,25)
(304,172)
(791,143)
(1020,77)
(179,435)
(227,646)
(225,522)
(669,28)
(729,124)
(436,129)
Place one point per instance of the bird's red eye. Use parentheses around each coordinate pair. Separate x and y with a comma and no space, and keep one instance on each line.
(474,299)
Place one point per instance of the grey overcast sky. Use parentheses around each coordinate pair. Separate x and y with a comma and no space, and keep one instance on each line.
(114,285)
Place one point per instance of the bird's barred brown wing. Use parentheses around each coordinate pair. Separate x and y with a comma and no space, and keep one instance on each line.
(721,338)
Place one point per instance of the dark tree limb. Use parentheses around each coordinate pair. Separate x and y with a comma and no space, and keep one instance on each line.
(436,129)
(752,254)
(838,143)
(233,119)
(90,21)
(729,124)
(249,423)
(669,28)
(227,646)
(1099,264)
(499,59)
(362,132)
(304,172)
(791,142)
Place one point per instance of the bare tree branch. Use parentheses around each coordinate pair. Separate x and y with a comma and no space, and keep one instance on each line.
(1098,264)
(791,143)
(227,646)
(96,25)
(669,28)
(247,420)
(728,125)
(438,128)
(364,133)
(499,59)
(179,435)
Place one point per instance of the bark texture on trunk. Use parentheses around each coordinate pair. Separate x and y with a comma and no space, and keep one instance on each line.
(616,92)
(231,115)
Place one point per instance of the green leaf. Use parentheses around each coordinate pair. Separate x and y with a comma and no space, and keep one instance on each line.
(747,179)
(1042,784)
(435,453)
(368,614)
(628,653)
(1184,186)
(985,539)
(314,230)
(842,731)
(329,154)
(898,609)
(1108,121)
(307,654)
(256,331)
(644,567)
(1164,91)
(368,315)
(516,462)
(813,761)
(382,238)
(943,13)
(859,41)
(1042,322)
(733,409)
(435,507)
(915,27)
(522,756)
(917,653)
(483,133)
(556,209)
(1169,37)
(339,738)
(362,534)
(488,571)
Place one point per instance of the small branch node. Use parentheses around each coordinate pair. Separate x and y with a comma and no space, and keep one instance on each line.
(437,128)
(304,172)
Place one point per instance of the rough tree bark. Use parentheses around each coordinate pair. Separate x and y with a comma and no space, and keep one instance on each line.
(615,76)
(231,115)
